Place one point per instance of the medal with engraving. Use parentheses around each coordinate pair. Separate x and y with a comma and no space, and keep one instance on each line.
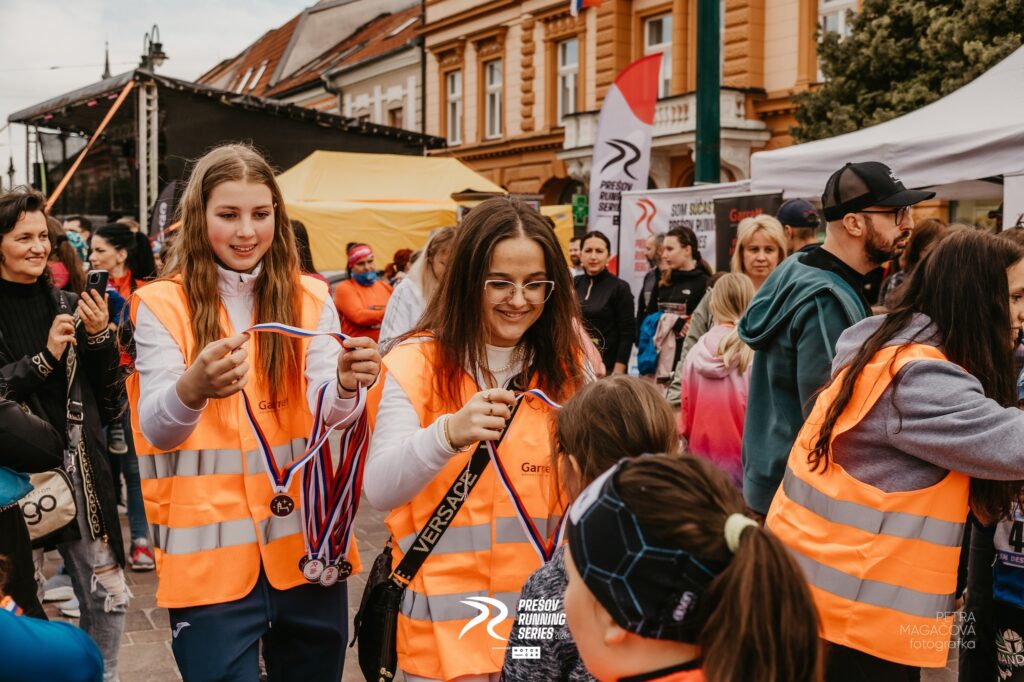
(329,576)
(282,505)
(312,570)
(344,569)
(320,511)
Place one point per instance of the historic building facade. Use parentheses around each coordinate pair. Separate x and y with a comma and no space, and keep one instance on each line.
(516,87)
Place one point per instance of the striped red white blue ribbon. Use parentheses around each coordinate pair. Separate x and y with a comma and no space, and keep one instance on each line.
(545,545)
(329,498)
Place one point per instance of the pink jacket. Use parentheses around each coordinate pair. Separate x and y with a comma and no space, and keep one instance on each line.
(713,403)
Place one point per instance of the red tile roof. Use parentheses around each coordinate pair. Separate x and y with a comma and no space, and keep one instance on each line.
(259,59)
(371,40)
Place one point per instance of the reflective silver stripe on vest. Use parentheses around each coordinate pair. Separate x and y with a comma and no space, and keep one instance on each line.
(883,595)
(897,524)
(274,528)
(224,534)
(214,461)
(418,606)
(477,538)
(204,538)
(190,463)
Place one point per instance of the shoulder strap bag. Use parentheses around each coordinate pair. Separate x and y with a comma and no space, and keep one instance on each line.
(51,506)
(376,623)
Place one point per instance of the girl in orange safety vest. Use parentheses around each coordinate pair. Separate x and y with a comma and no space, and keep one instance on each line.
(227,541)
(706,593)
(503,319)
(876,491)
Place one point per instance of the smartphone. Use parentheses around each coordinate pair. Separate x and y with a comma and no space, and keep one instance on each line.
(96,281)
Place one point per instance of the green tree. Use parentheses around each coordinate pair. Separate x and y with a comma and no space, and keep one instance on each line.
(902,55)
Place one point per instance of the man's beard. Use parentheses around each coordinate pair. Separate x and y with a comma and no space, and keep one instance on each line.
(878,251)
(575,261)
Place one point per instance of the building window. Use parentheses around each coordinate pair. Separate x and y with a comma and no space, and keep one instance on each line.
(245,79)
(396,117)
(258,76)
(568,77)
(453,106)
(834,16)
(492,98)
(658,38)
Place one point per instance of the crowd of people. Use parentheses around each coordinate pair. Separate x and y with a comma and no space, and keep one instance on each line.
(814,474)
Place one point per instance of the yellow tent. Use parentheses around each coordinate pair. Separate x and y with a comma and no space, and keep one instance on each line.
(388,201)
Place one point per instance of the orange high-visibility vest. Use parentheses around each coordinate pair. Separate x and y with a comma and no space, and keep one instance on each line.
(881,566)
(484,554)
(208,500)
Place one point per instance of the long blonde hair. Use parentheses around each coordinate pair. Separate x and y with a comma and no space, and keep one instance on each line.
(422,271)
(278,289)
(729,300)
(749,227)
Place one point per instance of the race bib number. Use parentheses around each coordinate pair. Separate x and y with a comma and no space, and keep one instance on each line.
(1009,540)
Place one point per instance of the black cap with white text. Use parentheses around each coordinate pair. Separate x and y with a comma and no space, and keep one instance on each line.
(857,186)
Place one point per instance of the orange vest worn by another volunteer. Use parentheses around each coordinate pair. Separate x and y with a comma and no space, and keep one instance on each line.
(881,566)
(483,558)
(208,500)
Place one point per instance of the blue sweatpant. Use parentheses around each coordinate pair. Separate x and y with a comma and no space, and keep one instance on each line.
(303,630)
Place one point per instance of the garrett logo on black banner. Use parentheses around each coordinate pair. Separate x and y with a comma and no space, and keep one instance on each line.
(729,211)
(622,149)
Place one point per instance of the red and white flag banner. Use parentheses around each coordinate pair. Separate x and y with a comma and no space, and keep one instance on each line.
(622,149)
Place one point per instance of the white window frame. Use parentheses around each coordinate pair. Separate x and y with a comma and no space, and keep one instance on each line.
(453,105)
(665,47)
(493,83)
(839,9)
(245,79)
(258,76)
(567,83)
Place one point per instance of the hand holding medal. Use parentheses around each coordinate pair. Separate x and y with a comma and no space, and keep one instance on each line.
(330,497)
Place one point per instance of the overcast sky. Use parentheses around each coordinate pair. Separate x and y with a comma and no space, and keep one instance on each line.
(36,35)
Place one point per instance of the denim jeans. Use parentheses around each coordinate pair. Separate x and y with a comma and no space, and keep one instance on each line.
(137,523)
(101,620)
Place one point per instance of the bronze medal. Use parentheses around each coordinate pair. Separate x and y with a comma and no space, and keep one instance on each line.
(282,505)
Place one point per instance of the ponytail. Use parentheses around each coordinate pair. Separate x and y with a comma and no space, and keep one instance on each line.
(777,627)
(729,300)
(756,622)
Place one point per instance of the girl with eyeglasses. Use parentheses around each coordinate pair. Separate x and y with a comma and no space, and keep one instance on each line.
(501,322)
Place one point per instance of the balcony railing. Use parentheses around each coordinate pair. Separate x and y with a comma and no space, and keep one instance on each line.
(672,116)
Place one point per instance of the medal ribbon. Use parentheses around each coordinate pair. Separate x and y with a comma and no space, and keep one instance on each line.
(544,546)
(281,479)
(327,496)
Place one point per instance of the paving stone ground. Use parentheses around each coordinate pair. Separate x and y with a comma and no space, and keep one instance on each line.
(146,646)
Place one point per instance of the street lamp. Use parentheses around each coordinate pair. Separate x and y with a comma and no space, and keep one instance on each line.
(153,55)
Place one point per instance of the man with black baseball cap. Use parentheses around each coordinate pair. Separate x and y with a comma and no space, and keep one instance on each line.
(798,314)
(800,220)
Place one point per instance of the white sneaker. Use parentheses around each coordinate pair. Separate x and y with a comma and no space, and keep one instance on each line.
(58,588)
(70,608)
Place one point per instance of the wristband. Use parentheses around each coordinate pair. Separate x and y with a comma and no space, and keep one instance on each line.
(346,388)
(447,435)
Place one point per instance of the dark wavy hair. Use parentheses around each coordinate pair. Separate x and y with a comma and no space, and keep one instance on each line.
(962,287)
(686,237)
(552,343)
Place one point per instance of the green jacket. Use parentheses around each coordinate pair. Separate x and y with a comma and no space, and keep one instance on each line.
(792,324)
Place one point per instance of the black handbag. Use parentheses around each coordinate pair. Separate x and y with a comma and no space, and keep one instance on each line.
(376,623)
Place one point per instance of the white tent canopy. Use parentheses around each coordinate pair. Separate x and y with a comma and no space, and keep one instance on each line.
(956,145)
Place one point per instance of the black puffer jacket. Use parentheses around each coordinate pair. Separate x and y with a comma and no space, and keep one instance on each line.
(27,445)
(39,381)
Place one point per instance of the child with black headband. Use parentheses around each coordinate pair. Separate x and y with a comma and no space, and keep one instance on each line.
(619,416)
(670,580)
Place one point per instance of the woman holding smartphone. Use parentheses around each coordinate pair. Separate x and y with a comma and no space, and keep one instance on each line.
(42,331)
